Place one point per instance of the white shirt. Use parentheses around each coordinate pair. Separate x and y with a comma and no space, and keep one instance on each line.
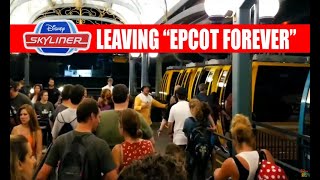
(178,114)
(108,87)
(68,115)
(252,158)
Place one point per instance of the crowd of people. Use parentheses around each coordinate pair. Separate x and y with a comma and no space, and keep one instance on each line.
(112,138)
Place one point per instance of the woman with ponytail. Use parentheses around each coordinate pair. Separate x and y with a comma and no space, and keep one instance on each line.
(133,147)
(244,165)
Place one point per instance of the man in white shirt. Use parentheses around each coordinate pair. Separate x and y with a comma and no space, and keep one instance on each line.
(68,115)
(178,114)
(109,85)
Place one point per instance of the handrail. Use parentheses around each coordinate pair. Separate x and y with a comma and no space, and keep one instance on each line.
(284,131)
(287,165)
(290,168)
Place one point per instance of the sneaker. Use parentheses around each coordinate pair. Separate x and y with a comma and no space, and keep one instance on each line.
(224,149)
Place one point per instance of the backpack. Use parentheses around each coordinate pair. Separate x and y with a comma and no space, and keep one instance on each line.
(74,164)
(268,170)
(199,143)
(67,127)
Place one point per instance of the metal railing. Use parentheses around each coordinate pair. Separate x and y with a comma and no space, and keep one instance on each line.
(285,146)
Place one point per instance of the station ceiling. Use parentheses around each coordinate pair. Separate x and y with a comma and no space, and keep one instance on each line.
(130,11)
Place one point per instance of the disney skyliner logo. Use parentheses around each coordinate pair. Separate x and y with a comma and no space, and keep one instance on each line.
(57,38)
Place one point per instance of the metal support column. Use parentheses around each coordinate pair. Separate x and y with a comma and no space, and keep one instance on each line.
(144,69)
(158,75)
(132,76)
(27,70)
(242,70)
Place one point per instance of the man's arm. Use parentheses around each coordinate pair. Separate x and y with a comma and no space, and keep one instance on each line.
(108,167)
(56,126)
(137,104)
(171,120)
(51,161)
(158,104)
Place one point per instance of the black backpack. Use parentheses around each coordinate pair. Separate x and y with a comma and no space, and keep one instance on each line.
(74,164)
(67,127)
(199,143)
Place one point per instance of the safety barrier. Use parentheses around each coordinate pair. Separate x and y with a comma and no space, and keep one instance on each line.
(285,146)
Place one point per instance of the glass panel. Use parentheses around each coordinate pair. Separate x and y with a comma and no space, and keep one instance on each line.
(278,93)
(173,81)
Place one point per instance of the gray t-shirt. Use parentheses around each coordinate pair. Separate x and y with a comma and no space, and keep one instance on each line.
(43,109)
(99,156)
(59,108)
(20,100)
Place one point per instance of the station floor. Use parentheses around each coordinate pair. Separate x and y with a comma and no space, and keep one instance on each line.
(163,140)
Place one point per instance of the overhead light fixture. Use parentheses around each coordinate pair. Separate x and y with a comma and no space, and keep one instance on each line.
(135,55)
(153,55)
(268,8)
(218,8)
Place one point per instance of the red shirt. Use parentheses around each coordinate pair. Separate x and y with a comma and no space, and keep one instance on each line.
(135,151)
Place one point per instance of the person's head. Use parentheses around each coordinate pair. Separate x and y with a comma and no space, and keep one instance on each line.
(176,88)
(241,131)
(77,94)
(199,110)
(88,112)
(20,84)
(181,93)
(130,123)
(154,167)
(145,89)
(110,81)
(176,152)
(37,88)
(120,94)
(13,89)
(44,95)
(28,116)
(202,87)
(51,82)
(66,92)
(22,162)
(105,94)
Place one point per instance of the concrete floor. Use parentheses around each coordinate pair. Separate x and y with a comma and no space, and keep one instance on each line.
(163,140)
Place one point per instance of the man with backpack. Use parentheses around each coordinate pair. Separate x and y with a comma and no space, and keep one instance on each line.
(67,119)
(79,154)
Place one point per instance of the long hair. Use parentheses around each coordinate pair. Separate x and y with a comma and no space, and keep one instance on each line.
(18,152)
(241,130)
(199,110)
(33,123)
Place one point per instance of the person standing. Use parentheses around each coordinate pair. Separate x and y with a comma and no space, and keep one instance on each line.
(143,103)
(53,92)
(109,85)
(98,154)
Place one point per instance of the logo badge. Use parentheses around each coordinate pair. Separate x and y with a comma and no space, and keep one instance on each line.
(57,38)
